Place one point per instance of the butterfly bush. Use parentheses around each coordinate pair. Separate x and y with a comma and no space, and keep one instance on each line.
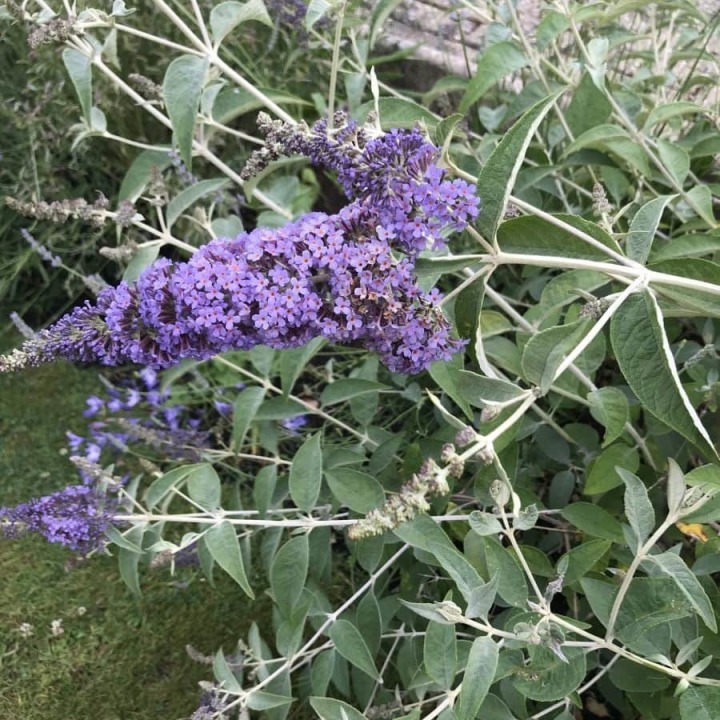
(347,277)
(76,516)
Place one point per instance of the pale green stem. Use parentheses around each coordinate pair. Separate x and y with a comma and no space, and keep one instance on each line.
(334,68)
(641,554)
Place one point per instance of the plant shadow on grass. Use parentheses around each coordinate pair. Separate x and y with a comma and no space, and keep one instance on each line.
(123,658)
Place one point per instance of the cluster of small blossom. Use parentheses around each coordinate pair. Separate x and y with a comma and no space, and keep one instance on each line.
(329,276)
(76,517)
(182,170)
(394,173)
(211,707)
(405,505)
(61,211)
(40,249)
(137,412)
(333,276)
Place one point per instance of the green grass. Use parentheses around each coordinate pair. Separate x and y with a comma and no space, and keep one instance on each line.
(125,658)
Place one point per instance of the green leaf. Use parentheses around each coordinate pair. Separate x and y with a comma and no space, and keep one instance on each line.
(589,107)
(440,654)
(232,102)
(676,160)
(183,200)
(602,474)
(482,598)
(648,604)
(497,177)
(128,560)
(456,566)
(397,113)
(582,558)
(484,523)
(119,539)
(245,408)
(228,15)
(222,543)
(142,258)
(280,408)
(665,111)
(646,360)
(203,485)
(182,88)
(686,246)
(321,671)
(79,67)
(330,709)
(610,408)
(436,266)
(294,360)
(479,390)
(224,674)
(342,390)
(644,226)
(288,573)
(160,488)
(594,521)
(260,700)
(139,173)
(545,351)
(477,678)
(317,9)
(512,586)
(689,302)
(565,288)
(547,678)
(700,703)
(615,140)
(494,63)
(306,474)
(350,644)
(354,489)
(638,508)
(675,568)
(702,198)
(631,677)
(446,375)
(536,236)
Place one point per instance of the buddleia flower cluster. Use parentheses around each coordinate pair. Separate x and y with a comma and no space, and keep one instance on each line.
(347,277)
(76,516)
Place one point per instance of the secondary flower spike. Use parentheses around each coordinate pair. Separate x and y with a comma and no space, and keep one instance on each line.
(333,276)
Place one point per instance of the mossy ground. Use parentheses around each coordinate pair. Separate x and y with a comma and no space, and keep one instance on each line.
(124,658)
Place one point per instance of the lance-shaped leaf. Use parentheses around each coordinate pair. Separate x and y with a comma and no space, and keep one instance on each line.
(643,228)
(306,474)
(672,565)
(497,177)
(609,406)
(222,543)
(228,15)
(79,68)
(545,352)
(182,88)
(638,508)
(479,675)
(440,653)
(350,644)
(645,358)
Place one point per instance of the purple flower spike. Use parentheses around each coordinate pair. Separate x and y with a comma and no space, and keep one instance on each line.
(333,276)
(75,517)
